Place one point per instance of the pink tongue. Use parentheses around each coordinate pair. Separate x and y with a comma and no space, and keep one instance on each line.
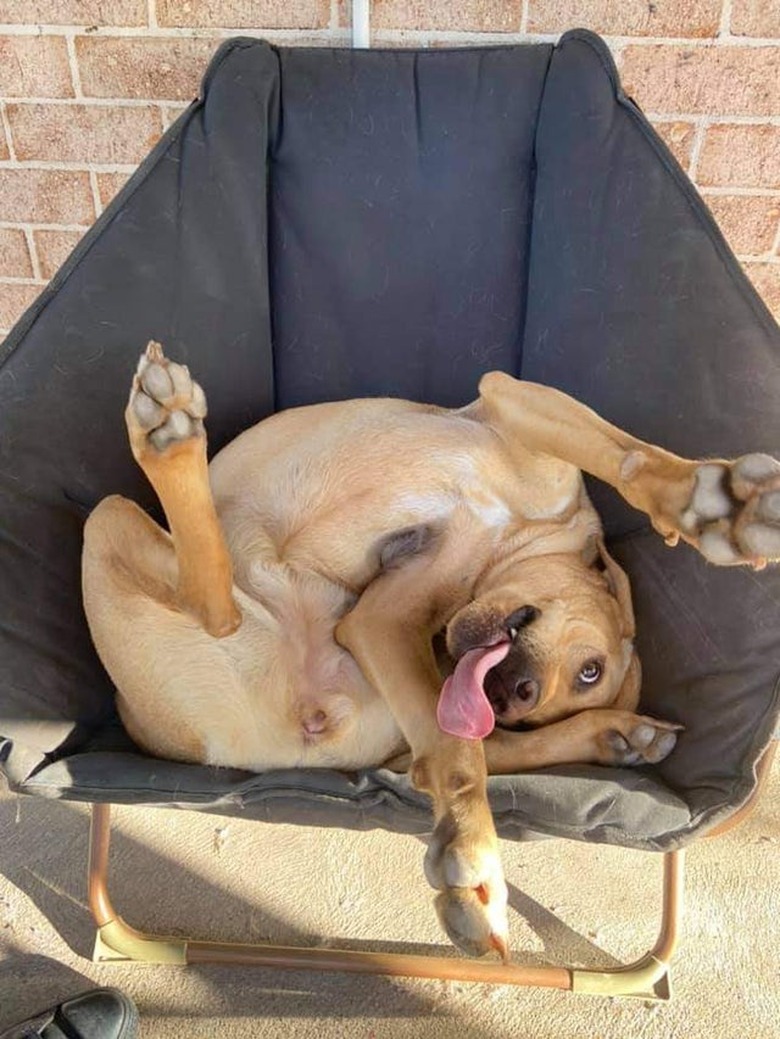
(463,708)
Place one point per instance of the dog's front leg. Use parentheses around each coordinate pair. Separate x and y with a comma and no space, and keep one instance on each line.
(389,633)
(600,736)
(729,510)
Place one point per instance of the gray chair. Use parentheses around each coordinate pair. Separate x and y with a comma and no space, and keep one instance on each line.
(322,224)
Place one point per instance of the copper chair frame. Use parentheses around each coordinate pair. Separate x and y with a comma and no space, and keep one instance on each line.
(648,977)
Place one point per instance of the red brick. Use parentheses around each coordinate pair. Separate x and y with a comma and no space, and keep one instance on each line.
(453,16)
(34,66)
(15,298)
(749,222)
(707,80)
(755,18)
(678,137)
(740,156)
(14,254)
(109,184)
(4,153)
(45,197)
(74,12)
(244,14)
(53,248)
(111,135)
(146,68)
(766,278)
(628,17)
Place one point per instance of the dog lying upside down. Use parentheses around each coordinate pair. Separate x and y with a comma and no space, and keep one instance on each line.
(377,581)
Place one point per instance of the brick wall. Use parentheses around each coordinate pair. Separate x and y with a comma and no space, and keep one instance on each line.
(87,86)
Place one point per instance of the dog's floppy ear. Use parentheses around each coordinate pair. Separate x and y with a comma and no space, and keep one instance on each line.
(620,587)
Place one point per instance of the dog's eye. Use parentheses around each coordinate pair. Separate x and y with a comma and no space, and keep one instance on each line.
(590,673)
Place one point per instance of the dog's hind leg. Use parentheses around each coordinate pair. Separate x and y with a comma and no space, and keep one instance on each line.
(729,510)
(164,418)
(166,668)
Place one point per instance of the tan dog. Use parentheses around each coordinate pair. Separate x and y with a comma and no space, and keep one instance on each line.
(289,618)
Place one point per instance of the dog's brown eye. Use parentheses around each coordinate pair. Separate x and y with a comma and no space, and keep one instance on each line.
(590,673)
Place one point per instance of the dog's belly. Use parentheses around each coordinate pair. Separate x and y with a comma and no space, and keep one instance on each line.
(308,501)
(320,488)
(304,701)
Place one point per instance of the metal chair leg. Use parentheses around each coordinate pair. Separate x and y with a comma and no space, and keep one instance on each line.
(117,941)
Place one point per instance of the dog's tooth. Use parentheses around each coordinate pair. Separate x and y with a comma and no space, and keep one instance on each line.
(513,633)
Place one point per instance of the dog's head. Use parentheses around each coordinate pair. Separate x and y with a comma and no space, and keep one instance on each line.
(561,628)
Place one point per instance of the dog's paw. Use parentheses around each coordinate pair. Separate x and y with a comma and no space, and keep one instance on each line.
(734,512)
(166,406)
(637,740)
(463,865)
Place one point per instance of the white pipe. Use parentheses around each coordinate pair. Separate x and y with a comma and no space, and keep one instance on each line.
(361,24)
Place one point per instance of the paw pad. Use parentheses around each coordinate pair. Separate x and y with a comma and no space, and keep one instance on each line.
(734,512)
(165,403)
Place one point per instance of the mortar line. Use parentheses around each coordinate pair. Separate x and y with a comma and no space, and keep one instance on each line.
(32,249)
(724,29)
(696,149)
(435,35)
(93,183)
(66,167)
(26,226)
(774,252)
(75,73)
(8,136)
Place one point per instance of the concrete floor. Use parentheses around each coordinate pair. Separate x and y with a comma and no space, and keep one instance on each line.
(177,872)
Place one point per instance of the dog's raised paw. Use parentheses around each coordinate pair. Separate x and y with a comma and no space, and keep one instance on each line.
(463,864)
(642,741)
(166,405)
(734,511)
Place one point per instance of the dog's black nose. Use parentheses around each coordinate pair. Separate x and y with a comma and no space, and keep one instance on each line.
(527,692)
(520,619)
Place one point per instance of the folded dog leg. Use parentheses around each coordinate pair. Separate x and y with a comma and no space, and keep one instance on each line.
(729,510)
(601,736)
(389,633)
(164,418)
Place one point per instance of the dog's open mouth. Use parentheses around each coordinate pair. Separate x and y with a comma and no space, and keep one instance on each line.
(463,709)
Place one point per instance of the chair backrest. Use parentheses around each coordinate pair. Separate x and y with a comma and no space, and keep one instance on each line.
(401,192)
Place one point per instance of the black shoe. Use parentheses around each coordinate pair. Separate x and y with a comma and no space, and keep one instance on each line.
(98,1014)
